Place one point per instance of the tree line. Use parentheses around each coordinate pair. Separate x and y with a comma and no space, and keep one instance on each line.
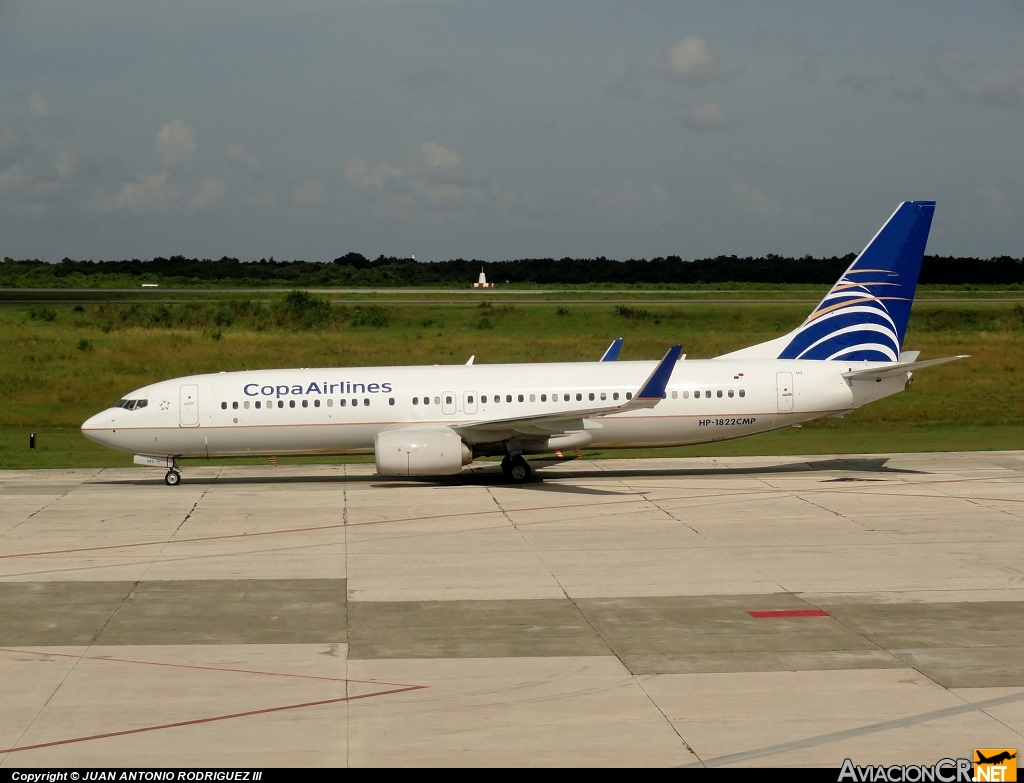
(355,270)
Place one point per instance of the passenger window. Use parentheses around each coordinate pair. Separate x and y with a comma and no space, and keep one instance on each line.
(291,403)
(543,398)
(603,396)
(341,403)
(520,398)
(508,398)
(718,394)
(316,403)
(629,395)
(415,400)
(533,398)
(234,406)
(258,404)
(686,395)
(437,400)
(732,393)
(391,400)
(305,403)
(483,398)
(223,406)
(280,403)
(246,405)
(591,396)
(469,399)
(366,401)
(565,397)
(330,403)
(743,393)
(615,395)
(447,399)
(426,401)
(355,402)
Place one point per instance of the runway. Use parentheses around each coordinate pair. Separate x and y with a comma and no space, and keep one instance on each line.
(746,612)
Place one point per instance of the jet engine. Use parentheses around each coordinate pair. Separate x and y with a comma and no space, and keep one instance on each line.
(439,452)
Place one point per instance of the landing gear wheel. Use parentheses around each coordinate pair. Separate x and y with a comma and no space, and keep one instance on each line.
(506,466)
(519,470)
(173,478)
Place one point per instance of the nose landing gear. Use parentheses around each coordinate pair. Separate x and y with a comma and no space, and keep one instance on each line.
(173,477)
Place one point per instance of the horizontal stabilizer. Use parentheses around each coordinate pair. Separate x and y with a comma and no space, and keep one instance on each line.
(889,370)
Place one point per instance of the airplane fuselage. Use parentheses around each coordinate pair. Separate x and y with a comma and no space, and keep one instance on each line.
(339,411)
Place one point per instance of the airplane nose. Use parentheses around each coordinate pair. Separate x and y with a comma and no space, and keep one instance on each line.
(99,427)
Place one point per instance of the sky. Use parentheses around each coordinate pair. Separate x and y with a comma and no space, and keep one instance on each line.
(497,130)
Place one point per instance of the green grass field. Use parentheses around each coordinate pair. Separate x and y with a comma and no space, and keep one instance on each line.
(60,362)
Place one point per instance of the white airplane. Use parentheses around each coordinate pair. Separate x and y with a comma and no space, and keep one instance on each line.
(432,421)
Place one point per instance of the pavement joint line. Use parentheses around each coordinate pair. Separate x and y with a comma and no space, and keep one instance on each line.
(731,496)
(198,667)
(590,624)
(860,731)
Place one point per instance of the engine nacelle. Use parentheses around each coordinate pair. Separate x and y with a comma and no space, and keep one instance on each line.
(439,452)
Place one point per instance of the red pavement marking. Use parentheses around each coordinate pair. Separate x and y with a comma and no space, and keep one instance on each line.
(398,689)
(210,719)
(789,613)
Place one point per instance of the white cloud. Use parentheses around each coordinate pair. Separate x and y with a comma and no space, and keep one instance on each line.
(438,158)
(751,199)
(691,59)
(247,160)
(443,192)
(998,202)
(309,194)
(1000,87)
(12,178)
(9,139)
(38,106)
(630,204)
(153,193)
(175,142)
(211,191)
(704,116)
(65,165)
(359,172)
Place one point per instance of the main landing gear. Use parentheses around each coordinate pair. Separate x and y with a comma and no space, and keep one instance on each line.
(516,468)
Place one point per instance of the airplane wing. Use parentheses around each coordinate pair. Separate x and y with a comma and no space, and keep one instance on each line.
(648,395)
(889,370)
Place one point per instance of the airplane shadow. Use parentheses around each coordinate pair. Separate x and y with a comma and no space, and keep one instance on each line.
(491,475)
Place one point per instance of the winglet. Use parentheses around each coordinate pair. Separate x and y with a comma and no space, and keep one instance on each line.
(653,388)
(613,350)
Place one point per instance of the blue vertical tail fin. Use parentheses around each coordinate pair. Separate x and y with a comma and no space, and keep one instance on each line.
(864,317)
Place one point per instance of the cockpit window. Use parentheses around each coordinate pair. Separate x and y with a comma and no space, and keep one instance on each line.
(131,405)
